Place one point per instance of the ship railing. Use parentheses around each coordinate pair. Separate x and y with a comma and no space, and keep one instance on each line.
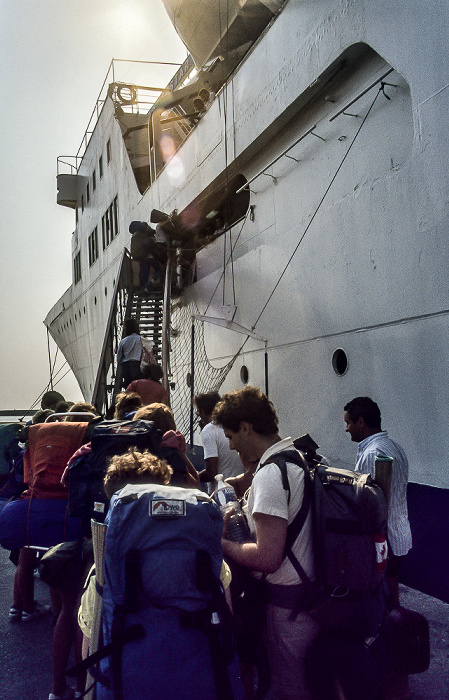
(106,373)
(139,102)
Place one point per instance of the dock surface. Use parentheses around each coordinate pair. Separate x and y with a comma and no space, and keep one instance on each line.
(25,648)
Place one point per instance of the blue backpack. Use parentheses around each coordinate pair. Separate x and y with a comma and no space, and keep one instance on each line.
(166,625)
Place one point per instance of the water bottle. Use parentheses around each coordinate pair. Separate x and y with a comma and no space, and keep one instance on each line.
(225,496)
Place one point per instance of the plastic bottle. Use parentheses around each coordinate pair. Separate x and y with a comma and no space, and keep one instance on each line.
(225,496)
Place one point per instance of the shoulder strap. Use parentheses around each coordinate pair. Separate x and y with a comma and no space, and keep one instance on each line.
(295,527)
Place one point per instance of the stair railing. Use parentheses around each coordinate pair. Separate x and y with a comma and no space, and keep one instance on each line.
(107,364)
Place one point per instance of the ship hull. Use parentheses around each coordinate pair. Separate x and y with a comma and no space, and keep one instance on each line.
(340,266)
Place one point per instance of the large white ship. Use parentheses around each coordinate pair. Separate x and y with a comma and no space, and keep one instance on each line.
(317,132)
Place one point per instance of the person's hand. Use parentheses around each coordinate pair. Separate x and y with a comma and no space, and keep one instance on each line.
(226,517)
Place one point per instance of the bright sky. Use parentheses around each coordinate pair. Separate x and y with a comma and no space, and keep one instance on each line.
(55,55)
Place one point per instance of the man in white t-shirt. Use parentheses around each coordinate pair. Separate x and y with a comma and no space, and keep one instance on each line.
(218,457)
(250,423)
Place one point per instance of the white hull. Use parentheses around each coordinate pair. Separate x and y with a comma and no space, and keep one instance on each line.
(370,275)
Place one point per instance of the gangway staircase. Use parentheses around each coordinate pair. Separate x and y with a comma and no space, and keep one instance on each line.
(127,302)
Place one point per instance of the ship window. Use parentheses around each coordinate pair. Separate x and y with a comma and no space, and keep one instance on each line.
(82,202)
(106,228)
(87,194)
(339,362)
(100,166)
(114,217)
(108,151)
(77,267)
(94,180)
(106,291)
(244,374)
(93,246)
(76,214)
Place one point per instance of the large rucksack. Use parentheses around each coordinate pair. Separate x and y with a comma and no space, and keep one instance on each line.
(109,438)
(164,613)
(349,525)
(50,446)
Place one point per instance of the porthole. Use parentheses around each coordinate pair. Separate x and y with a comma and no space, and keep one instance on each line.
(188,379)
(244,374)
(340,362)
(106,291)
(95,301)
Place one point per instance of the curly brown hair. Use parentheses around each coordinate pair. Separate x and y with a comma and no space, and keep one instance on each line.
(135,467)
(249,404)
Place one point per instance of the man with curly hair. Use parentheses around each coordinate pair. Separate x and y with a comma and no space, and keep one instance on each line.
(250,423)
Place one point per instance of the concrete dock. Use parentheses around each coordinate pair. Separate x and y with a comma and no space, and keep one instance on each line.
(25,648)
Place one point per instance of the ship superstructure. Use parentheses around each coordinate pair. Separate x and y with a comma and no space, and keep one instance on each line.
(314,134)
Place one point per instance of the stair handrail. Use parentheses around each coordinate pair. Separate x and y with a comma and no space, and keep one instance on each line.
(120,282)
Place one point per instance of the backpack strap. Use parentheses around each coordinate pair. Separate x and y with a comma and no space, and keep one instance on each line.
(295,527)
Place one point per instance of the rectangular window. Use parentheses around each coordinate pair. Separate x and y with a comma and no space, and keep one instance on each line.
(106,229)
(100,166)
(108,151)
(115,212)
(93,246)
(113,218)
(77,267)
(94,181)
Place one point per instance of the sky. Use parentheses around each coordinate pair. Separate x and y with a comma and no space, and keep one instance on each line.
(54,57)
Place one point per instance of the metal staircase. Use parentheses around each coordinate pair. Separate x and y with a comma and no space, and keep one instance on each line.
(147,309)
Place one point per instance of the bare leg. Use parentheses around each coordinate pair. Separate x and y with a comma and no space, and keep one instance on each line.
(62,639)
(24,580)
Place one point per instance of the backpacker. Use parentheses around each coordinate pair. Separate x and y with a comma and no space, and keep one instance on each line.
(349,520)
(109,438)
(164,611)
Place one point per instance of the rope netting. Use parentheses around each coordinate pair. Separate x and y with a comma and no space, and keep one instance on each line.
(206,377)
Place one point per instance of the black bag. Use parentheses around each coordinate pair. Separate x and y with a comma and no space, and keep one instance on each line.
(349,524)
(109,438)
(403,641)
(61,566)
(349,517)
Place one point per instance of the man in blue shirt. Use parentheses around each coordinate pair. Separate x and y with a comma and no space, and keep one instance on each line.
(363,423)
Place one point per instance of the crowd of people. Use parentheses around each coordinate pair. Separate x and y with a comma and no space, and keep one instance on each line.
(240,435)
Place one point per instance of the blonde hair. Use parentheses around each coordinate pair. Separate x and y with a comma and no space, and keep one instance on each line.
(135,467)
(159,413)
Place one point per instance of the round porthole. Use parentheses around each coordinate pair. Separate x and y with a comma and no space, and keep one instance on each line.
(340,362)
(106,291)
(95,301)
(244,374)
(189,379)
